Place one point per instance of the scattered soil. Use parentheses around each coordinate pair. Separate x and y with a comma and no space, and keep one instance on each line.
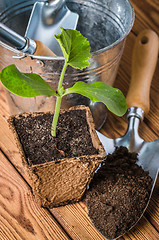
(118,193)
(73,138)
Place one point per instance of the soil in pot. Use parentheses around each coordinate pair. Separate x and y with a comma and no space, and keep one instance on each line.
(60,167)
(73,138)
(118,193)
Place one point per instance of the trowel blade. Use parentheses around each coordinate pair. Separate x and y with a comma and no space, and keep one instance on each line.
(39,28)
(148,154)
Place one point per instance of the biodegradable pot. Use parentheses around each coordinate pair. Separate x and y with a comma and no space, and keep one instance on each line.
(60,181)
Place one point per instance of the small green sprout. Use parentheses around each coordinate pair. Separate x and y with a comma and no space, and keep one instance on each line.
(76,51)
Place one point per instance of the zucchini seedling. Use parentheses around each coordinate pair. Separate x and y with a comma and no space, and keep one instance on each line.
(76,51)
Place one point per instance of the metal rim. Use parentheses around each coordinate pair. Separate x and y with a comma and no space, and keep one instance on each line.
(93,53)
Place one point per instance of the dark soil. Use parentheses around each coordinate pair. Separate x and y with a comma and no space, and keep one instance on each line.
(118,193)
(73,138)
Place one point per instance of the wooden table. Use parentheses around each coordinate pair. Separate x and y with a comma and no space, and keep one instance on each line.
(20,215)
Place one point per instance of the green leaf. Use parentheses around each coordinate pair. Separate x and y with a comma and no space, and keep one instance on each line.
(75,48)
(101,92)
(24,84)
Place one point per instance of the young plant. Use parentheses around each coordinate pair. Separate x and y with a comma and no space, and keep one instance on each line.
(76,51)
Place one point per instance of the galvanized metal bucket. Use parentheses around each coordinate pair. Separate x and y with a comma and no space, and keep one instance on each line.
(105,23)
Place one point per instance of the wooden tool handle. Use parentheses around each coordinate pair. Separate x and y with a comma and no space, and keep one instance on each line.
(144,61)
(43,50)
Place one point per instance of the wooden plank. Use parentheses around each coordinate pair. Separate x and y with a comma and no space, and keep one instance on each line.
(149,129)
(4,108)
(7,142)
(21,217)
(146,15)
(77,223)
(152,213)
(117,126)
(142,231)
(73,217)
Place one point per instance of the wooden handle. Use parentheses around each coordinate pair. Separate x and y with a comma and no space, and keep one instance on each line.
(43,50)
(144,61)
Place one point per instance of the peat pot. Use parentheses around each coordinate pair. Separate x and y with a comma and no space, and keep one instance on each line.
(105,23)
(60,168)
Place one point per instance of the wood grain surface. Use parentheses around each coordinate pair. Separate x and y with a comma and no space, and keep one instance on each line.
(21,218)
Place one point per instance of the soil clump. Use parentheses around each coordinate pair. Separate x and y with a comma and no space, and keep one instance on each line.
(118,193)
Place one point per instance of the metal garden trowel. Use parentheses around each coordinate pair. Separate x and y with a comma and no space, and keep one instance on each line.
(46,19)
(144,61)
(23,44)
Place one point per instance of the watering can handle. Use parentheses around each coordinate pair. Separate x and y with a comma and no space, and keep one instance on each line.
(144,59)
